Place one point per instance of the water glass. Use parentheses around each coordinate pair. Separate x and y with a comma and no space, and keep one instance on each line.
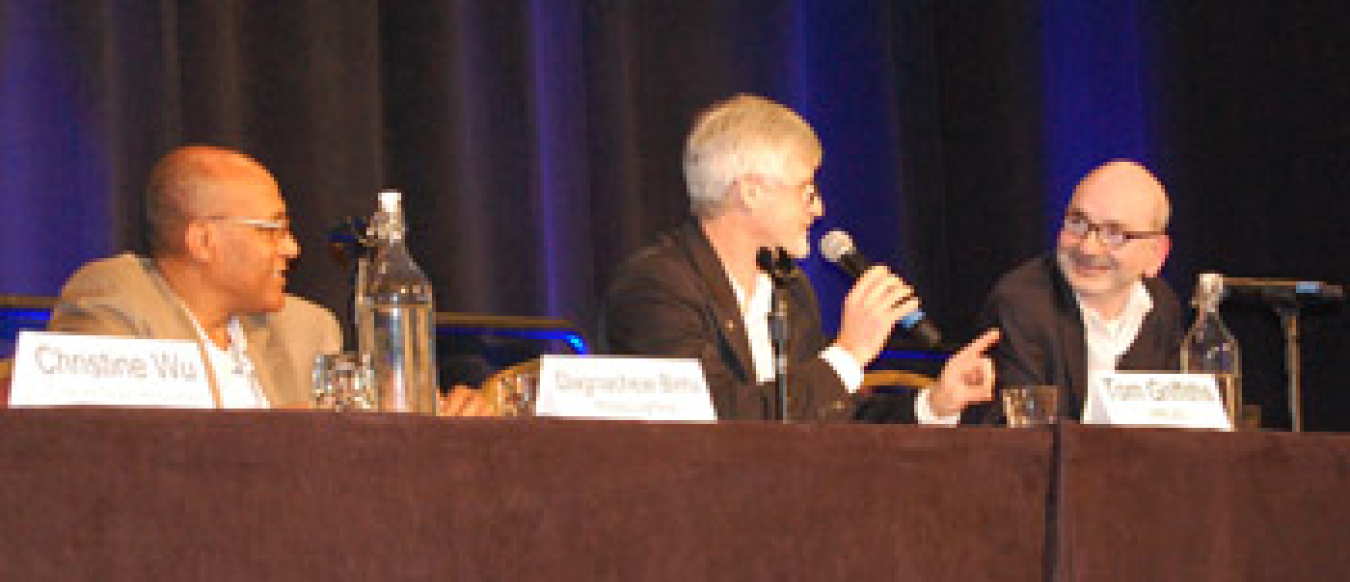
(517,393)
(1029,406)
(343,381)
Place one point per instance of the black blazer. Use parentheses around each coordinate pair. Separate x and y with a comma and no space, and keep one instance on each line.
(1043,340)
(674,299)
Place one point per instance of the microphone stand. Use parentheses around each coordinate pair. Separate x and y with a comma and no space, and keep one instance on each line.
(1289,322)
(778,336)
(781,271)
(1284,297)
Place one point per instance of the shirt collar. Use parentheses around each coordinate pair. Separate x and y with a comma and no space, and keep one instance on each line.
(759,302)
(1137,305)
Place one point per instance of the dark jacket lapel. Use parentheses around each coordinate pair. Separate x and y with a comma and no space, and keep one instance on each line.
(726,311)
(1072,369)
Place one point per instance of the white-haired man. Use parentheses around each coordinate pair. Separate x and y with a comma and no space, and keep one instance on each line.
(750,167)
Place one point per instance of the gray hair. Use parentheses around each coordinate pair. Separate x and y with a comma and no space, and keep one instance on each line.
(740,136)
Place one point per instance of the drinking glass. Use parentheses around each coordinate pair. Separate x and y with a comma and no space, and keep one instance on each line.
(1029,406)
(517,393)
(343,381)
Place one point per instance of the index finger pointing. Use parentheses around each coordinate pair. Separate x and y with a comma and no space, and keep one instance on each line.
(982,343)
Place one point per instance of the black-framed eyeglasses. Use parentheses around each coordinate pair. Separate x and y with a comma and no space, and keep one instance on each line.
(1110,234)
(276,227)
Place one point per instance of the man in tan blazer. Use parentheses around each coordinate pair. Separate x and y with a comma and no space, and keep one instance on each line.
(220,242)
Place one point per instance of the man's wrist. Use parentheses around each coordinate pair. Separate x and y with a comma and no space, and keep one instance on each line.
(845,365)
(925,414)
(859,354)
(940,402)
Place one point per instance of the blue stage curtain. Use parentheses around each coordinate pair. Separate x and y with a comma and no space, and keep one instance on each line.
(538,141)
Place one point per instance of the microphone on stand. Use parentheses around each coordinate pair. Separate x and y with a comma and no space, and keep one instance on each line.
(1284,291)
(777,263)
(1287,297)
(781,270)
(837,247)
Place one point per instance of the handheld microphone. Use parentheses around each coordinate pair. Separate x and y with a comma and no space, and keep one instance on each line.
(837,247)
(1284,291)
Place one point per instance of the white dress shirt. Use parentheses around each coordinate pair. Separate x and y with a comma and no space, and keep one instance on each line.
(1109,339)
(235,378)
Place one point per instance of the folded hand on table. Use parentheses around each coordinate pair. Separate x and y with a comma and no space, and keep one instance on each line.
(463,401)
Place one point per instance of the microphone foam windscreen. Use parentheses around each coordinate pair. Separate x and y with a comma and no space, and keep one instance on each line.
(835,244)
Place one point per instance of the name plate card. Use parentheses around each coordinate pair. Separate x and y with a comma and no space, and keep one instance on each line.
(1155,399)
(59,369)
(623,388)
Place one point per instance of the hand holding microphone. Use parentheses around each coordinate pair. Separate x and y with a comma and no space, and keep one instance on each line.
(876,303)
(871,310)
(881,300)
(837,247)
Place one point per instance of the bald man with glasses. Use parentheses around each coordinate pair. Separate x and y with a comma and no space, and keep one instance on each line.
(220,243)
(1096,303)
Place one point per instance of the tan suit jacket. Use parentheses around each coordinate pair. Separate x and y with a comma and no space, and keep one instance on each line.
(125,296)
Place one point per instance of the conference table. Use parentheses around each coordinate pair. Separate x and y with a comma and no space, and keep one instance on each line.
(139,494)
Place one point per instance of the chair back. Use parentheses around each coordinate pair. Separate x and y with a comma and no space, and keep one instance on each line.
(898,378)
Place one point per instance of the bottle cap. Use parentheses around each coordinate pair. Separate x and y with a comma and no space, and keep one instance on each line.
(389,200)
(1208,288)
(1211,281)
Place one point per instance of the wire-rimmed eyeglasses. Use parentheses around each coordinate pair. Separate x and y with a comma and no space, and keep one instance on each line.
(277,227)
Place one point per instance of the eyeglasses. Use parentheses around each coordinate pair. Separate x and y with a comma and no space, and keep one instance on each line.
(812,193)
(277,227)
(808,191)
(1110,234)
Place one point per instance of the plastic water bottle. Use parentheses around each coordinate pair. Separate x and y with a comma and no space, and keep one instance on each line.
(394,315)
(1209,348)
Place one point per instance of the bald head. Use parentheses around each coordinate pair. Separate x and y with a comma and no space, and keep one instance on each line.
(1124,197)
(1132,185)
(194,181)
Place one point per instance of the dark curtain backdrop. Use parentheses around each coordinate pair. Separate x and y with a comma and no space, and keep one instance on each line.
(537,143)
